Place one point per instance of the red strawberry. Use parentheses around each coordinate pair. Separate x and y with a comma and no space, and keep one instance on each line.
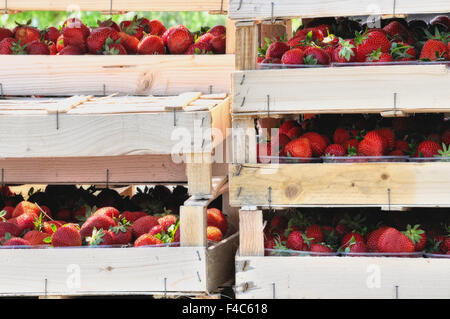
(24,33)
(206,38)
(393,241)
(157,28)
(151,44)
(109,23)
(446,137)
(214,234)
(74,34)
(396,30)
(300,147)
(293,56)
(26,207)
(98,222)
(37,48)
(11,46)
(358,247)
(51,34)
(369,42)
(373,144)
(320,248)
(6,213)
(278,223)
(402,146)
(315,233)
(179,40)
(295,241)
(25,221)
(218,44)
(114,48)
(341,135)
(417,236)
(16,241)
(351,237)
(335,150)
(101,237)
(434,50)
(378,56)
(67,235)
(135,27)
(158,229)
(218,29)
(143,225)
(8,227)
(147,240)
(76,23)
(428,148)
(98,37)
(5,33)
(344,52)
(372,238)
(64,214)
(318,143)
(276,50)
(389,135)
(52,48)
(129,42)
(35,237)
(216,218)
(199,48)
(311,34)
(294,132)
(287,126)
(71,50)
(167,221)
(51,226)
(314,55)
(107,211)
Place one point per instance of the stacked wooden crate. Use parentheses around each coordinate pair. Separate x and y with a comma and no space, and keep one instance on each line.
(391,90)
(116,120)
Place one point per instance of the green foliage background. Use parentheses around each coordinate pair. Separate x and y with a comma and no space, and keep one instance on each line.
(42,19)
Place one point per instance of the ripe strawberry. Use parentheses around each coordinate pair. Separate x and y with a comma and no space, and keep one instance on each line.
(25,221)
(389,135)
(350,238)
(129,42)
(294,133)
(334,150)
(216,218)
(276,50)
(114,48)
(428,149)
(214,234)
(218,29)
(37,48)
(76,23)
(199,48)
(109,23)
(310,35)
(321,248)
(396,153)
(11,46)
(179,40)
(6,213)
(71,50)
(158,229)
(107,211)
(26,33)
(143,225)
(373,144)
(402,146)
(434,50)
(357,247)
(51,226)
(300,147)
(393,241)
(417,236)
(295,241)
(63,214)
(314,55)
(293,56)
(98,222)
(369,42)
(218,44)
(5,33)
(66,236)
(157,28)
(51,48)
(151,44)
(8,227)
(147,240)
(396,30)
(26,207)
(206,38)
(446,137)
(98,37)
(286,126)
(372,238)
(277,223)
(344,52)
(318,143)
(35,237)
(16,241)
(100,237)
(378,56)
(315,233)
(73,34)
(51,34)
(135,27)
(341,135)
(167,221)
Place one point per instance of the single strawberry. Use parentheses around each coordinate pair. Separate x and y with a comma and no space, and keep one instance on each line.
(167,221)
(35,237)
(295,241)
(277,49)
(51,34)
(293,56)
(66,236)
(318,143)
(52,48)
(158,229)
(129,42)
(71,50)
(16,241)
(300,147)
(216,218)
(396,30)
(345,52)
(369,42)
(428,149)
(321,248)
(111,212)
(157,28)
(147,240)
(373,144)
(218,44)
(294,133)
(218,29)
(100,237)
(356,246)
(402,145)
(179,40)
(151,44)
(26,33)
(278,223)
(109,23)
(372,238)
(315,233)
(5,33)
(98,222)
(122,234)
(393,241)
(76,23)
(136,27)
(143,225)
(378,56)
(214,234)
(335,150)
(73,34)
(436,47)
(37,48)
(314,55)
(286,126)
(98,37)
(11,46)
(49,227)
(26,207)
(389,135)
(199,48)
(417,236)
(351,237)
(206,38)
(8,227)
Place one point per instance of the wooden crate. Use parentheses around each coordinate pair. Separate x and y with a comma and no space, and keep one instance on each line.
(115,6)
(103,75)
(194,268)
(341,277)
(333,185)
(114,139)
(265,10)
(389,90)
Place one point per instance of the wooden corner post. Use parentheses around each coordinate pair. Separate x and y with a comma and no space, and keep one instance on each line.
(251,233)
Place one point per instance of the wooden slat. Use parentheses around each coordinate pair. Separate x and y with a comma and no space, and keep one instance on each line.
(262,9)
(246,46)
(341,278)
(368,89)
(193,231)
(251,236)
(325,185)
(116,5)
(99,75)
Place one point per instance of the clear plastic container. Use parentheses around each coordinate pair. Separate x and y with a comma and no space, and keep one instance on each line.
(429,159)
(436,255)
(416,254)
(288,160)
(297,253)
(364,159)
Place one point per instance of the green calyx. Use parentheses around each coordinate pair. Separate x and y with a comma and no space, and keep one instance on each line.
(38,223)
(444,152)
(398,51)
(88,213)
(96,237)
(414,233)
(7,237)
(346,50)
(310,60)
(2,215)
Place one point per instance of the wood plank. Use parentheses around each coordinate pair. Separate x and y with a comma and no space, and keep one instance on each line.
(116,5)
(246,46)
(103,75)
(356,184)
(244,140)
(193,232)
(262,9)
(343,90)
(251,236)
(359,277)
(199,174)
(81,271)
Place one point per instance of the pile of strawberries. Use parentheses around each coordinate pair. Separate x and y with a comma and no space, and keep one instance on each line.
(325,41)
(424,136)
(137,36)
(141,220)
(353,234)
